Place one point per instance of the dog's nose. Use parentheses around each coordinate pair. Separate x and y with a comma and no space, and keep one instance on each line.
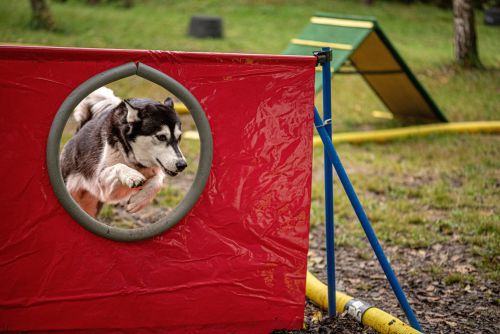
(181,165)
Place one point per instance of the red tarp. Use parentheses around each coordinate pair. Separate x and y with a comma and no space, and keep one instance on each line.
(235,263)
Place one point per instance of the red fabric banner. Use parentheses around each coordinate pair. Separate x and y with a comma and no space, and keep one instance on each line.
(236,263)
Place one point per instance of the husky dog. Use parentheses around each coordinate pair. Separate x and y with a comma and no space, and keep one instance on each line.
(121,151)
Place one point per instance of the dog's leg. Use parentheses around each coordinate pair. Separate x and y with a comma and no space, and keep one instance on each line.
(112,178)
(88,203)
(141,199)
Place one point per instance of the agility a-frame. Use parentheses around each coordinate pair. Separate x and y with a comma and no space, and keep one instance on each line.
(361,47)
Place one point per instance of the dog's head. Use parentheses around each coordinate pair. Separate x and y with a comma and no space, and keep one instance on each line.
(154,133)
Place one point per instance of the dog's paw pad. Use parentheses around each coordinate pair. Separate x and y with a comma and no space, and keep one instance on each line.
(135,180)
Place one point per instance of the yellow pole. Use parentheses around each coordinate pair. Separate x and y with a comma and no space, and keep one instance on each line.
(181,108)
(412,131)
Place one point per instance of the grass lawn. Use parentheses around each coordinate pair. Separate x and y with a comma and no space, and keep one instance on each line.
(417,192)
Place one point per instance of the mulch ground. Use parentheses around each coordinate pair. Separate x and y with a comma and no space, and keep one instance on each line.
(441,304)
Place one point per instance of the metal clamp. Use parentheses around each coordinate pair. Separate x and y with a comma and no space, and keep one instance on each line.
(326,122)
(357,308)
(323,56)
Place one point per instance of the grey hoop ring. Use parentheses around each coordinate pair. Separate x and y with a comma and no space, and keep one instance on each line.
(200,180)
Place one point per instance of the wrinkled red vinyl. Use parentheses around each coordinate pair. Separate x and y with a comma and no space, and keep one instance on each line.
(235,263)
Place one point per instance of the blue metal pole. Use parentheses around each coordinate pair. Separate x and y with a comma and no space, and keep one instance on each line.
(370,233)
(329,219)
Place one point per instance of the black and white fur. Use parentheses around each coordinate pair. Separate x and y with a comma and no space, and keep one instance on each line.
(121,151)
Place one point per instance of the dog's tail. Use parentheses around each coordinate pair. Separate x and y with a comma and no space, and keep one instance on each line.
(100,100)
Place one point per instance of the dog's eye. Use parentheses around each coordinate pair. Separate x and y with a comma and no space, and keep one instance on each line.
(161,138)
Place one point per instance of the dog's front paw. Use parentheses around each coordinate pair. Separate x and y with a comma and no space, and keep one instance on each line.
(139,201)
(134,179)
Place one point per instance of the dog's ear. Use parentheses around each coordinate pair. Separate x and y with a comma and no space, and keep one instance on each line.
(169,102)
(132,114)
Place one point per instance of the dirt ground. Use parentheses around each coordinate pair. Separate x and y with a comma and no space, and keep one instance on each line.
(443,303)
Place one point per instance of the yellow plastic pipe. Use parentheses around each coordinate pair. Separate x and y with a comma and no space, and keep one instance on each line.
(181,108)
(393,134)
(318,293)
(412,131)
(374,318)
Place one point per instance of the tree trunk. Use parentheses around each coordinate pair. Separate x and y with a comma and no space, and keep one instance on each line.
(41,15)
(465,34)
(128,3)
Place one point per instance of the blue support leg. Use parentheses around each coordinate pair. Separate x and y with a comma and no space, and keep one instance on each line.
(370,233)
(329,218)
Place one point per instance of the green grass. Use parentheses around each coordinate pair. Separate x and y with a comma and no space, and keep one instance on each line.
(459,278)
(423,191)
(417,192)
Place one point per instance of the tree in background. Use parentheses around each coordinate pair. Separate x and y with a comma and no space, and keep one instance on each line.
(466,53)
(41,16)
